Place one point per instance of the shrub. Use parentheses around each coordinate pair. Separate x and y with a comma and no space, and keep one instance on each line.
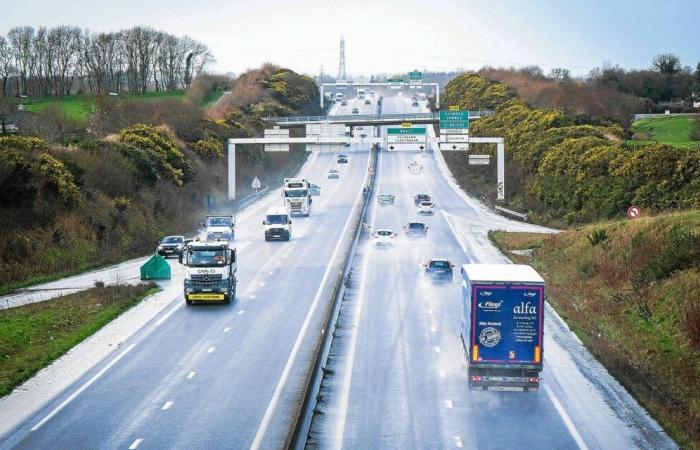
(598,236)
(211,148)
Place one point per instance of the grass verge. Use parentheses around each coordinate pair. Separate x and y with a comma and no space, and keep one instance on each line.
(674,131)
(33,336)
(631,291)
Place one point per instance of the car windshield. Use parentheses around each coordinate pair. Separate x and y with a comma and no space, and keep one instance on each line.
(219,222)
(384,233)
(439,264)
(206,258)
(276,219)
(172,240)
(416,226)
(426,204)
(296,193)
(214,235)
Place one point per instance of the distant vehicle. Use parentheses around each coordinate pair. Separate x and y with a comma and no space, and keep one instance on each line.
(342,159)
(383,237)
(502,322)
(343,103)
(220,226)
(361,93)
(371,94)
(278,224)
(414,167)
(439,269)
(414,104)
(413,98)
(421,198)
(340,96)
(385,199)
(211,272)
(426,208)
(171,246)
(333,174)
(355,111)
(297,197)
(367,102)
(314,190)
(416,229)
(347,144)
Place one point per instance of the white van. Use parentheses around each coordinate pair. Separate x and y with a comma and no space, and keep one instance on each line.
(278,224)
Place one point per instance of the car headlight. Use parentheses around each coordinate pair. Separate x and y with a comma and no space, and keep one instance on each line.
(160,247)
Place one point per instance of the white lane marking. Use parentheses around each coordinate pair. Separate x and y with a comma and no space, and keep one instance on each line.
(168,314)
(433,328)
(134,445)
(437,349)
(262,429)
(458,442)
(430,311)
(454,232)
(262,283)
(227,329)
(240,312)
(82,388)
(270,272)
(211,349)
(441,374)
(344,400)
(567,420)
(448,404)
(167,405)
(191,375)
(253,296)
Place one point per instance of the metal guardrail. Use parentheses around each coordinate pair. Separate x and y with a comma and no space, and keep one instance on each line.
(250,198)
(377,118)
(510,212)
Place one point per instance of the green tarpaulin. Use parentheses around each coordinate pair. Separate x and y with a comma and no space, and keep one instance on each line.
(155,268)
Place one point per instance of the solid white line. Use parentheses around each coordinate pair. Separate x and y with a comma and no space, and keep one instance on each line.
(441,373)
(167,315)
(211,349)
(430,311)
(253,296)
(191,375)
(448,404)
(567,420)
(437,349)
(227,329)
(167,405)
(240,312)
(262,283)
(136,444)
(433,329)
(262,429)
(344,399)
(82,388)
(458,441)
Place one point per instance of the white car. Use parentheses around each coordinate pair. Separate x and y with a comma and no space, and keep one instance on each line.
(414,167)
(383,237)
(426,208)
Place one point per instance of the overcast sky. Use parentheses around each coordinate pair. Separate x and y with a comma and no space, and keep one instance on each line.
(396,36)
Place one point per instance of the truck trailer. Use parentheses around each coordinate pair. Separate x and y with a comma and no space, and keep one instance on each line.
(502,326)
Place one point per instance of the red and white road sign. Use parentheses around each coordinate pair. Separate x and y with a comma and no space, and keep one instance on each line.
(633,212)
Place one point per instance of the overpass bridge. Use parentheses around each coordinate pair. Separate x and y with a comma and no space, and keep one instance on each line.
(369,119)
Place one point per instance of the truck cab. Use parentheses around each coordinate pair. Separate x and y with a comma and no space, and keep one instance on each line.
(210,273)
(502,326)
(220,226)
(297,196)
(278,224)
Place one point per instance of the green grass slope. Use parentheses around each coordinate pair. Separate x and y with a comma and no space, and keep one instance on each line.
(666,130)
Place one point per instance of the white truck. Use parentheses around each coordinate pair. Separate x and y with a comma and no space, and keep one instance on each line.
(210,273)
(278,224)
(297,196)
(220,226)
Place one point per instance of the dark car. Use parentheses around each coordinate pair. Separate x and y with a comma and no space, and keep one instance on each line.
(439,268)
(171,246)
(367,102)
(418,198)
(342,159)
(355,111)
(414,104)
(416,229)
(343,103)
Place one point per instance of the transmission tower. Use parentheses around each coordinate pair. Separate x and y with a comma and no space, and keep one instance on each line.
(341,68)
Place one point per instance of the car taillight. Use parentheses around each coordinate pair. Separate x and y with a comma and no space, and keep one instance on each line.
(533,380)
(476,378)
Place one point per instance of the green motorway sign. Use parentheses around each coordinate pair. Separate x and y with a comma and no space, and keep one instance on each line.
(415,75)
(454,119)
(395,131)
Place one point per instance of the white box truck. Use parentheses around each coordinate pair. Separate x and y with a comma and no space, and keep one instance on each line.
(220,226)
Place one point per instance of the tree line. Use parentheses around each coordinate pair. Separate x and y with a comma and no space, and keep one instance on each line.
(65,60)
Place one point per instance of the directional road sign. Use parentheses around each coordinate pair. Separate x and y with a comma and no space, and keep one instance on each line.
(634,212)
(479,160)
(447,138)
(256,184)
(460,146)
(454,120)
(406,135)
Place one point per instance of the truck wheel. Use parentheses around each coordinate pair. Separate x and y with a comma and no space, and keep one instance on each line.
(188,301)
(227,300)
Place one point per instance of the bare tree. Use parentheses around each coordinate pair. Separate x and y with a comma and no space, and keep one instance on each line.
(21,40)
(7,70)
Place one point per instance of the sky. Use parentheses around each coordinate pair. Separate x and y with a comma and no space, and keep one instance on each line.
(390,36)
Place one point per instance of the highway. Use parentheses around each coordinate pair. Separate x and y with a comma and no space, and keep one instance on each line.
(396,377)
(216,376)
